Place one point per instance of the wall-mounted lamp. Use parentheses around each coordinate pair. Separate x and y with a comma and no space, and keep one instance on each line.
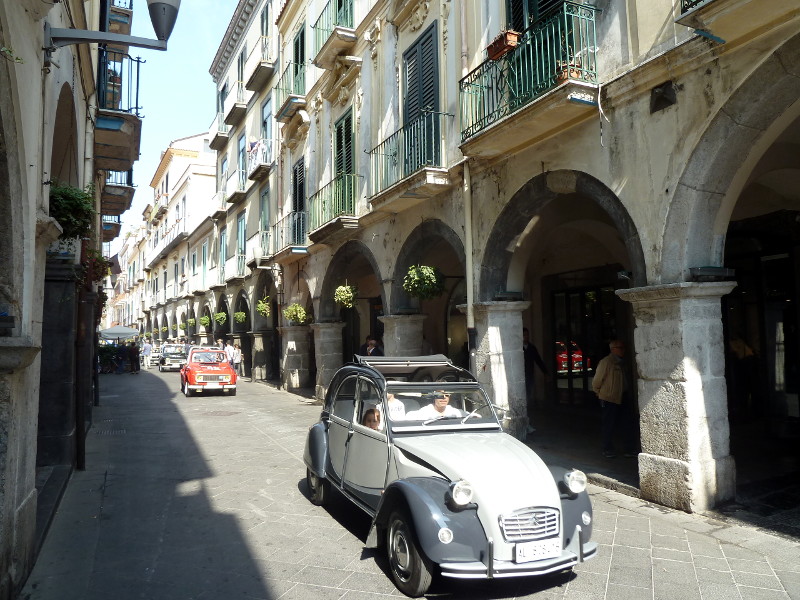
(163,15)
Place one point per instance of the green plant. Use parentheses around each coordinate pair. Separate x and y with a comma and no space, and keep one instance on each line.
(240,317)
(221,317)
(191,322)
(295,313)
(205,320)
(174,327)
(73,208)
(95,266)
(7,52)
(262,307)
(423,282)
(345,295)
(183,326)
(164,329)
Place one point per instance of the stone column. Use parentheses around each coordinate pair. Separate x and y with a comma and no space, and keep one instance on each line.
(499,362)
(259,364)
(295,357)
(328,352)
(680,357)
(402,334)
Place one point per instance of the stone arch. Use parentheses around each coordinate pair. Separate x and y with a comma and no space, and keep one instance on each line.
(416,250)
(497,270)
(265,287)
(341,268)
(242,305)
(222,331)
(64,163)
(717,170)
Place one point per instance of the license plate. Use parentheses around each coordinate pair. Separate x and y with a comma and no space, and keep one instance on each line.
(537,550)
(213,384)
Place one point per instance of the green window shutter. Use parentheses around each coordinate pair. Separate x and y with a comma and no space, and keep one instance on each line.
(299,186)
(343,139)
(421,76)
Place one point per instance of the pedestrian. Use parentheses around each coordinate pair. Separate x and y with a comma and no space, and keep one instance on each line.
(532,360)
(229,351)
(373,349)
(133,356)
(186,346)
(220,344)
(237,359)
(147,350)
(362,351)
(121,358)
(612,386)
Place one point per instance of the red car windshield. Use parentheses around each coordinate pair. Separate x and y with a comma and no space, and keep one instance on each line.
(209,357)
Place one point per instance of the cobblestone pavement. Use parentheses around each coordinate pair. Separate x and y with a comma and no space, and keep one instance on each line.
(204,498)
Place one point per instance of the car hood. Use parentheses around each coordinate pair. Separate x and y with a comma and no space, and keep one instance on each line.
(505,473)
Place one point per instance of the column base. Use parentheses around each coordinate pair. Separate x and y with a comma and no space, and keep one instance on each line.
(672,482)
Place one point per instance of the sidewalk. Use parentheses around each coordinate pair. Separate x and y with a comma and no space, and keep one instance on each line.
(204,498)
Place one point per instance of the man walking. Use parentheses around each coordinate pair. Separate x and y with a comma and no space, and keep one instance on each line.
(230,352)
(147,350)
(611,385)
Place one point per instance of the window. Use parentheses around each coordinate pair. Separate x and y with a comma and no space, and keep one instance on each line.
(266,121)
(343,144)
(223,246)
(223,173)
(521,13)
(240,64)
(194,262)
(299,57)
(222,95)
(421,103)
(265,20)
(204,262)
(298,222)
(264,209)
(183,267)
(241,155)
(175,272)
(241,234)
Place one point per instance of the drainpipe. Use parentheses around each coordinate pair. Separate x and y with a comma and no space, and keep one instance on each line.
(467,192)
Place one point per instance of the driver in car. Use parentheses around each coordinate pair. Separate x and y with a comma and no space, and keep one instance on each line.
(440,407)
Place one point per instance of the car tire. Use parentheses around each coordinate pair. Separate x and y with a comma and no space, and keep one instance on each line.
(318,488)
(411,570)
(186,391)
(232,393)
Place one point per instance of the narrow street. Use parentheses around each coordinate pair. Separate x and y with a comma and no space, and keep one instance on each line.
(204,497)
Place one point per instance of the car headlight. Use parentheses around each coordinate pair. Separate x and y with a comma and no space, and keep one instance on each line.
(575,480)
(461,492)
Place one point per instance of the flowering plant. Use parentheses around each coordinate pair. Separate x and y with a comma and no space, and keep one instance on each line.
(262,307)
(221,317)
(240,317)
(191,322)
(295,313)
(165,328)
(183,326)
(95,266)
(345,295)
(423,282)
(205,320)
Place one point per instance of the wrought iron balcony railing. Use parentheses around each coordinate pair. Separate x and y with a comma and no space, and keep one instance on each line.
(337,13)
(260,154)
(120,178)
(118,82)
(219,125)
(265,240)
(561,45)
(221,273)
(235,182)
(409,149)
(290,231)
(687,5)
(126,4)
(291,83)
(336,199)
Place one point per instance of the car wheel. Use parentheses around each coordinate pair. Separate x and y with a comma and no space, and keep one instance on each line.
(411,570)
(160,369)
(317,487)
(186,391)
(232,393)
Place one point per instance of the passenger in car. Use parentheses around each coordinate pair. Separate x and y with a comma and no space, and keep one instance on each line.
(372,419)
(440,407)
(397,410)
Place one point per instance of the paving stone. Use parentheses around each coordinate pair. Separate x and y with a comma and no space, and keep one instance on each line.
(770,582)
(712,576)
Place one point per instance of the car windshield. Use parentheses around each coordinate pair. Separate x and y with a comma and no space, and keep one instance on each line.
(438,405)
(173,350)
(208,357)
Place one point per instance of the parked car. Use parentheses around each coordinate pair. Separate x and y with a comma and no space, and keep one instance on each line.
(417,445)
(172,358)
(563,358)
(206,370)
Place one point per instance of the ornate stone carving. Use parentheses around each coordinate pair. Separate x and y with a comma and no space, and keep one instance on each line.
(373,36)
(446,6)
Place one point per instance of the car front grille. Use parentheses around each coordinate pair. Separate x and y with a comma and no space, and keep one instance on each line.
(213,378)
(530,524)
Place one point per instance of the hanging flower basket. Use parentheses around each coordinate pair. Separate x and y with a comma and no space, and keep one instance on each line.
(240,317)
(164,329)
(73,208)
(423,282)
(262,307)
(220,317)
(191,322)
(205,320)
(502,44)
(295,313)
(183,326)
(175,327)
(345,296)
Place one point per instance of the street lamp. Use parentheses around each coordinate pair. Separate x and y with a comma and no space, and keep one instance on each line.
(163,14)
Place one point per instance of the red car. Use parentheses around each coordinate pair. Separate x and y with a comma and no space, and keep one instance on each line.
(207,370)
(563,358)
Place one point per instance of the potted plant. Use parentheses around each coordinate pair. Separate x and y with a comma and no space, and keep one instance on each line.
(95,266)
(240,317)
(164,329)
(504,43)
(294,313)
(345,296)
(262,307)
(183,326)
(174,327)
(191,322)
(205,320)
(73,208)
(423,282)
(220,317)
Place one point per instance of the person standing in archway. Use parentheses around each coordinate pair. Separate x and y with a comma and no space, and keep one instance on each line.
(532,360)
(612,386)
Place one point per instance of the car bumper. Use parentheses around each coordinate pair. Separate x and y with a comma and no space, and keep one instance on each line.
(574,553)
(212,387)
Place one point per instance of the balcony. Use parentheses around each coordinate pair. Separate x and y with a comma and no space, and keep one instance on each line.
(235,105)
(160,205)
(173,236)
(546,84)
(218,277)
(260,160)
(333,33)
(220,133)
(235,269)
(289,238)
(260,65)
(153,301)
(117,192)
(110,224)
(332,210)
(408,166)
(219,206)
(262,250)
(118,127)
(119,18)
(236,184)
(732,20)
(290,93)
